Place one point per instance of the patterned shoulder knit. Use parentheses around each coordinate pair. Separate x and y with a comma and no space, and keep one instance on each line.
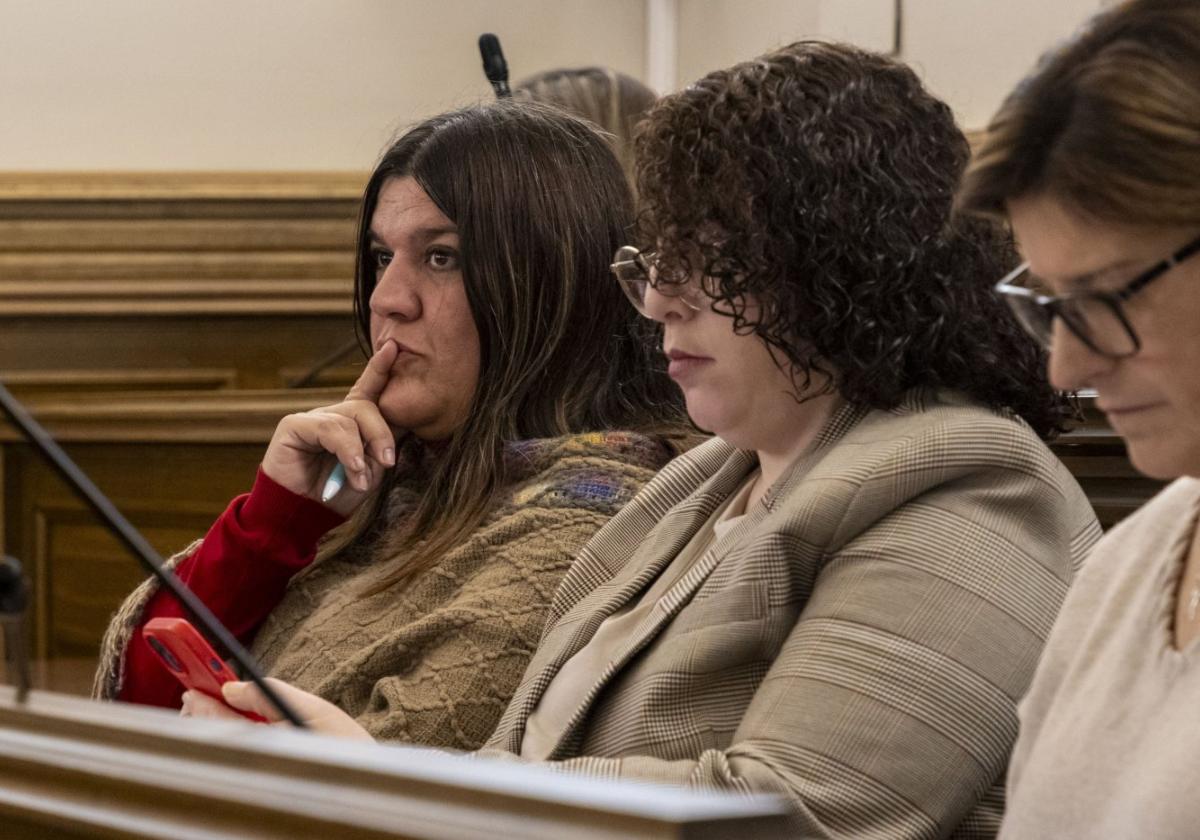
(435,661)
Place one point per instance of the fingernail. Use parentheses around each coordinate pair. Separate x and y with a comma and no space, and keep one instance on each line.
(359,464)
(389,457)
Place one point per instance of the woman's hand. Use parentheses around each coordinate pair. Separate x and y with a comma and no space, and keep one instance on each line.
(321,716)
(306,447)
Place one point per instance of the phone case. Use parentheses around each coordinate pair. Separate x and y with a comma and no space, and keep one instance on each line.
(185,653)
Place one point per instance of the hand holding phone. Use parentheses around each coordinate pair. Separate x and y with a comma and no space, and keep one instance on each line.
(185,653)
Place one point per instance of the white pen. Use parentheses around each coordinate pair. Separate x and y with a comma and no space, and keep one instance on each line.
(335,482)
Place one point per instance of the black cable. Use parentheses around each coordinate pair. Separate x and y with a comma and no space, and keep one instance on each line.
(135,542)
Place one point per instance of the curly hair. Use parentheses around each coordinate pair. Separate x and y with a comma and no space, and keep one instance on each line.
(813,188)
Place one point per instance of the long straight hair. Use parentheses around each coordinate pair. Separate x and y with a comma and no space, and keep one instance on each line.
(541,204)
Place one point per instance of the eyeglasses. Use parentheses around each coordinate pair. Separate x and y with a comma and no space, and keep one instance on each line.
(1096,318)
(636,271)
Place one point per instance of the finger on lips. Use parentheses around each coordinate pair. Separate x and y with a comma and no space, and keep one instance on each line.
(375,375)
(362,406)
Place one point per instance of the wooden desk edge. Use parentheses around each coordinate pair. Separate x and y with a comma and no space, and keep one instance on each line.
(104,764)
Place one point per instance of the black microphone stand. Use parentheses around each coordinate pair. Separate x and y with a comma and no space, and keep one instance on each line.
(142,550)
(494,65)
(310,376)
(14,596)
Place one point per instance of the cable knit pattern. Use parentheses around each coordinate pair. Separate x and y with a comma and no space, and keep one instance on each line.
(436,662)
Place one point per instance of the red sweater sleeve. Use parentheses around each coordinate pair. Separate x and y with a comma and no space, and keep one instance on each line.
(240,571)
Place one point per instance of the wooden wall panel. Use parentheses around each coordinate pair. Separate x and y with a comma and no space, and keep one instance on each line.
(78,570)
(259,350)
(170,461)
(187,234)
(104,274)
(139,314)
(24,267)
(33,383)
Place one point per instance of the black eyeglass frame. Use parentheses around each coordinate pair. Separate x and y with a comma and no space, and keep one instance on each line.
(1058,305)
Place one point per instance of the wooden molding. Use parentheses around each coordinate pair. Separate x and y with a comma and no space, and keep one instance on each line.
(176,234)
(24,383)
(158,266)
(265,297)
(171,416)
(180,186)
(71,765)
(80,573)
(177,244)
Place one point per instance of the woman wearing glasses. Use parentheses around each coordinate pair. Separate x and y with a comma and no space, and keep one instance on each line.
(1094,160)
(842,596)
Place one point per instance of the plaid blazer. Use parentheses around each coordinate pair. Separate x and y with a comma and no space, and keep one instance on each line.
(856,643)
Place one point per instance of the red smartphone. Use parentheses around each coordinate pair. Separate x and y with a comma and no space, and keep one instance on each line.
(191,659)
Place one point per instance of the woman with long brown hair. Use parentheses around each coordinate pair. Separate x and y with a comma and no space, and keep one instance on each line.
(510,406)
(1095,161)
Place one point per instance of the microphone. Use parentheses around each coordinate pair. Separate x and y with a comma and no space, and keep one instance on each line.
(36,434)
(12,586)
(13,597)
(494,65)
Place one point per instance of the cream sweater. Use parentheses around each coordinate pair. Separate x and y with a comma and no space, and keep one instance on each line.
(1110,730)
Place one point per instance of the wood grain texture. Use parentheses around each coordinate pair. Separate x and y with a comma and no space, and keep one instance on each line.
(251,272)
(144,186)
(32,383)
(73,768)
(259,348)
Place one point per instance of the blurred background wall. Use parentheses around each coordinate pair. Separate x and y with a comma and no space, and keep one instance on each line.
(299,85)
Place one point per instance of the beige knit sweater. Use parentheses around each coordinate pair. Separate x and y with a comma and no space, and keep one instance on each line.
(1110,730)
(436,661)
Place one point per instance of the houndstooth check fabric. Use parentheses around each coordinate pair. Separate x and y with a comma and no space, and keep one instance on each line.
(857,643)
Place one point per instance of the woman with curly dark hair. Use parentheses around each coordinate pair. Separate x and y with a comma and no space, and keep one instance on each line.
(842,596)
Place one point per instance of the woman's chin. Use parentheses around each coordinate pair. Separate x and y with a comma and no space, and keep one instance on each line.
(708,418)
(431,424)
(1157,458)
(403,417)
